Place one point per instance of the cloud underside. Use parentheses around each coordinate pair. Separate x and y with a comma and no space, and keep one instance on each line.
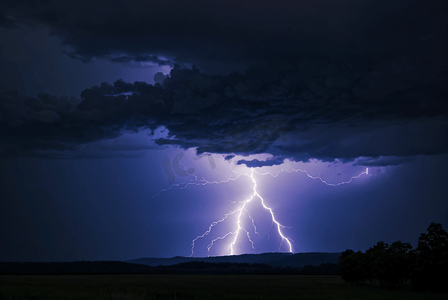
(299,80)
(235,114)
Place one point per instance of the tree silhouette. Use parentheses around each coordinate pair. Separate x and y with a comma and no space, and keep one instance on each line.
(378,263)
(401,259)
(431,262)
(394,265)
(353,267)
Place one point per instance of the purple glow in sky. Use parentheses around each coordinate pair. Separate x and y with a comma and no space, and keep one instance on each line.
(234,218)
(137,128)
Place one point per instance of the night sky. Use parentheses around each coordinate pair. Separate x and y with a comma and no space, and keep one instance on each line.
(127,128)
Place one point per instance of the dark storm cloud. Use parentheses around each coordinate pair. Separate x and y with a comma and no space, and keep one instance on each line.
(78,57)
(144,58)
(381,161)
(255,163)
(245,31)
(324,79)
(261,111)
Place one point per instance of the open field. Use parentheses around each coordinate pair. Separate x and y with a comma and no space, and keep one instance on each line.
(131,287)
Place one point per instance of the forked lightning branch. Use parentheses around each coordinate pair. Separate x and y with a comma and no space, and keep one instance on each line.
(243,211)
(239,228)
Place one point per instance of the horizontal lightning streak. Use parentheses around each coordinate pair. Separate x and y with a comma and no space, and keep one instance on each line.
(196,181)
(366,172)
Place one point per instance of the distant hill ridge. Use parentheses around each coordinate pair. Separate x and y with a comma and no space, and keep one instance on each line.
(296,260)
(266,263)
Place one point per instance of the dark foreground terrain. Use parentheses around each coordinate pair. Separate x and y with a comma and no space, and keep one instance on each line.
(131,287)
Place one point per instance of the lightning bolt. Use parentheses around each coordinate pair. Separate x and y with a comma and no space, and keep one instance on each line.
(239,228)
(279,226)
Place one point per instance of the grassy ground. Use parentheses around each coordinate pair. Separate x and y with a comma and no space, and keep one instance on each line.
(133,287)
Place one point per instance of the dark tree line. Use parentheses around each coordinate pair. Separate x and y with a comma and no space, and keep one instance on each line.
(193,267)
(425,267)
(73,268)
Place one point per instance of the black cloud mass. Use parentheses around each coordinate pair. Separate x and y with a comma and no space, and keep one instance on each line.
(296,79)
